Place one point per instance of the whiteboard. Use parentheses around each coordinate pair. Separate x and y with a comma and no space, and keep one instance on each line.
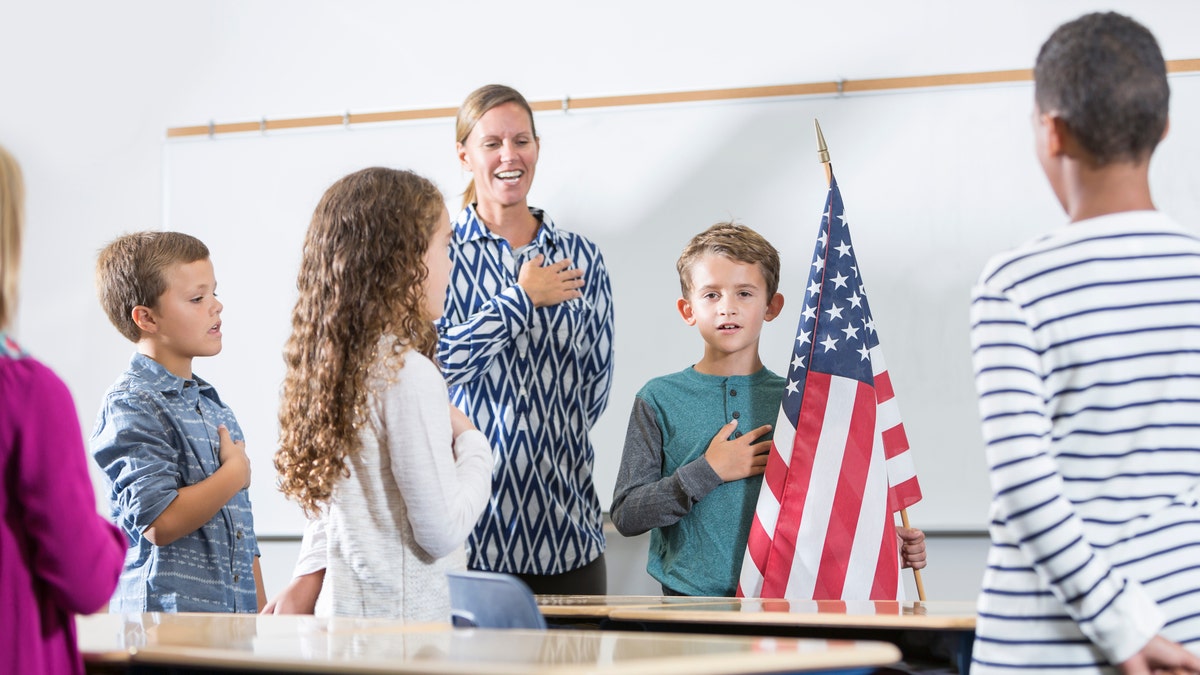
(935,181)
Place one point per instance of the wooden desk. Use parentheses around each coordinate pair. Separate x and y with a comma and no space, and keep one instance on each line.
(215,642)
(576,608)
(921,629)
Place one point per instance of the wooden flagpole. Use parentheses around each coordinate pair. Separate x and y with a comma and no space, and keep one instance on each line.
(823,157)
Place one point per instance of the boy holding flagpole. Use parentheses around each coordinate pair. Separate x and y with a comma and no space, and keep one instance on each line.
(697,442)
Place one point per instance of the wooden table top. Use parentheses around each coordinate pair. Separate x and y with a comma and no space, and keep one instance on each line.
(600,606)
(311,644)
(943,615)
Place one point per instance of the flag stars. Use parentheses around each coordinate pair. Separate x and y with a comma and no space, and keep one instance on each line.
(829,343)
(839,281)
(834,312)
(823,238)
(797,361)
(855,300)
(810,312)
(864,353)
(792,387)
(851,332)
(805,336)
(814,287)
(819,263)
(869,324)
(843,249)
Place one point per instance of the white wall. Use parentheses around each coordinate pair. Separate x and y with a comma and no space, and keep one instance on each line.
(89,89)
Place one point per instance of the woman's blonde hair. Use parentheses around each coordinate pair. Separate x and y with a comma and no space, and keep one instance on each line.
(361,278)
(12,223)
(477,104)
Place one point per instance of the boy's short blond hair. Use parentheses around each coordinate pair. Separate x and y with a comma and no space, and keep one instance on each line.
(735,242)
(131,271)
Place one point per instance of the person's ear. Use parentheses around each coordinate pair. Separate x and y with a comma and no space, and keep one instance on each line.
(774,307)
(685,310)
(463,160)
(143,316)
(1056,132)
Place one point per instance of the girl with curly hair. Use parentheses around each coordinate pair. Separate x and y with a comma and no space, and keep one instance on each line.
(393,475)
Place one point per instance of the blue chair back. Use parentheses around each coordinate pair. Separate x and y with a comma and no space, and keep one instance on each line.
(492,600)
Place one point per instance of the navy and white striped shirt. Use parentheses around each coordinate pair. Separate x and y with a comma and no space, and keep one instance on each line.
(534,380)
(1087,363)
(156,433)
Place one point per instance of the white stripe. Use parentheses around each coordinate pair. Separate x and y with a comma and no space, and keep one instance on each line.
(784,431)
(887,414)
(901,468)
(878,365)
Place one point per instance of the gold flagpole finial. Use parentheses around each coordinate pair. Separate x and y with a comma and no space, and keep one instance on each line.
(822,149)
(823,153)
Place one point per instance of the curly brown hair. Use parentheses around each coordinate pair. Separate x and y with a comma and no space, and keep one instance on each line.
(361,278)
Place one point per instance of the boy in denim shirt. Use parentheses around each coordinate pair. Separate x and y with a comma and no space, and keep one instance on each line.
(176,476)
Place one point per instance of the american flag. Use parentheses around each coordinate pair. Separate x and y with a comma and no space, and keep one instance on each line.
(839,467)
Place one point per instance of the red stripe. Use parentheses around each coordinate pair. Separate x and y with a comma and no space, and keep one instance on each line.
(831,606)
(776,606)
(791,502)
(776,473)
(887,568)
(848,497)
(895,441)
(883,387)
(758,545)
(904,495)
(887,607)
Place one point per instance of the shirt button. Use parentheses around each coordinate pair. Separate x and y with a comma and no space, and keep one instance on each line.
(237,578)
(239,534)
(733,392)
(736,414)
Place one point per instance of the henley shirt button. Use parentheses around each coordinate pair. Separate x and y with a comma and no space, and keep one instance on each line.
(736,414)
(733,392)
(237,578)
(239,534)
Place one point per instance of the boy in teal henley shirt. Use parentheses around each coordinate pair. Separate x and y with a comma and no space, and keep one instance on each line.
(696,492)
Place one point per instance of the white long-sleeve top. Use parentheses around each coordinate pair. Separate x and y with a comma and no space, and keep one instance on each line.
(1087,363)
(399,521)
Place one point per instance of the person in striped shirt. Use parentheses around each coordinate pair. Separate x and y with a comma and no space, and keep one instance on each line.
(1086,349)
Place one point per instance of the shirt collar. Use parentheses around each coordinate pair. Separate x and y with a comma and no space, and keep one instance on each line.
(162,380)
(468,227)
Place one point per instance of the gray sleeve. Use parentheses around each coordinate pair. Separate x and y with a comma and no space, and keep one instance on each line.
(643,498)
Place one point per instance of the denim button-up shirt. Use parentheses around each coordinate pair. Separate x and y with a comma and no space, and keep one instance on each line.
(156,433)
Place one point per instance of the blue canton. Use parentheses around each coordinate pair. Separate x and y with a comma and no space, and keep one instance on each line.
(836,332)
(156,433)
(534,380)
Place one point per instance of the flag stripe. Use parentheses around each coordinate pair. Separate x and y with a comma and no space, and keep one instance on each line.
(848,495)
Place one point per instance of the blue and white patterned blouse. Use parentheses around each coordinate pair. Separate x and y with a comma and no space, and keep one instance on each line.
(156,433)
(534,380)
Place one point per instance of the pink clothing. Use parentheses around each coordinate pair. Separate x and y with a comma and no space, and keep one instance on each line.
(58,556)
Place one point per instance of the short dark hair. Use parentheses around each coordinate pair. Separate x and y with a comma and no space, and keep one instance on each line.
(132,270)
(1104,75)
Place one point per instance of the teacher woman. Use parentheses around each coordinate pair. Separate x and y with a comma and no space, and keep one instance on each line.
(526,345)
